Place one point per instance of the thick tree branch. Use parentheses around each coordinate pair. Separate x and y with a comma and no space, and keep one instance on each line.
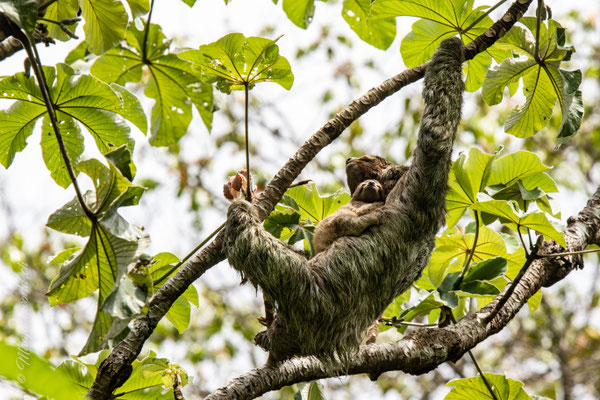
(117,366)
(424,349)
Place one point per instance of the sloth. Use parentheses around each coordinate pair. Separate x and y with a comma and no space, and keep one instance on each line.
(353,218)
(325,305)
(373,167)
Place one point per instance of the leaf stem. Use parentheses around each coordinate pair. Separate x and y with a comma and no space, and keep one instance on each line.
(538,16)
(570,253)
(488,12)
(479,370)
(530,258)
(38,70)
(469,257)
(189,255)
(146,33)
(522,241)
(248,189)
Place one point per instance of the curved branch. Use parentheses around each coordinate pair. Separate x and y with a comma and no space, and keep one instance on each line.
(117,366)
(425,349)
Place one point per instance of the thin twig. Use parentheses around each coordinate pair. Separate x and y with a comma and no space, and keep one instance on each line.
(469,257)
(479,370)
(190,254)
(488,12)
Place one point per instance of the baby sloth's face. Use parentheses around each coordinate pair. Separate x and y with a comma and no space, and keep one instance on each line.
(369,191)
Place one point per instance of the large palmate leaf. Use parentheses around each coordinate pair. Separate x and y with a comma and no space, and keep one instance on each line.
(475,388)
(311,205)
(105,22)
(469,175)
(544,83)
(519,176)
(380,33)
(451,250)
(84,101)
(300,209)
(112,248)
(234,61)
(151,377)
(172,83)
(440,20)
(511,216)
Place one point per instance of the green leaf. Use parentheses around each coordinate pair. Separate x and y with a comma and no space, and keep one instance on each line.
(126,299)
(380,34)
(121,158)
(439,20)
(138,7)
(312,205)
(571,104)
(543,82)
(534,301)
(58,11)
(71,218)
(509,169)
(507,73)
(113,246)
(234,61)
(281,223)
(538,88)
(179,314)
(421,42)
(105,22)
(424,307)
(468,176)
(300,12)
(451,250)
(516,220)
(112,189)
(172,83)
(474,388)
(36,375)
(73,142)
(79,375)
(313,391)
(16,125)
(22,12)
(78,53)
(86,100)
(486,270)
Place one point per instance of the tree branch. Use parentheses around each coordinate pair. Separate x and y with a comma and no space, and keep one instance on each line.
(117,366)
(423,350)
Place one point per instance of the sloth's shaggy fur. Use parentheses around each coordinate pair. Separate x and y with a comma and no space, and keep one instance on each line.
(325,304)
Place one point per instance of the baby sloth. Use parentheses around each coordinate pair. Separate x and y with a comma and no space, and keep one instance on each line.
(353,218)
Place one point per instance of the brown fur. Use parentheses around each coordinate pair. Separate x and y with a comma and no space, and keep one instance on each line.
(325,305)
(353,218)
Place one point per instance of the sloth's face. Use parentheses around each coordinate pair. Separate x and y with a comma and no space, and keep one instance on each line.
(362,168)
(369,191)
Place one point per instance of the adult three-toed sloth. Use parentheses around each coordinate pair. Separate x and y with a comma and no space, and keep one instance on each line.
(324,305)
